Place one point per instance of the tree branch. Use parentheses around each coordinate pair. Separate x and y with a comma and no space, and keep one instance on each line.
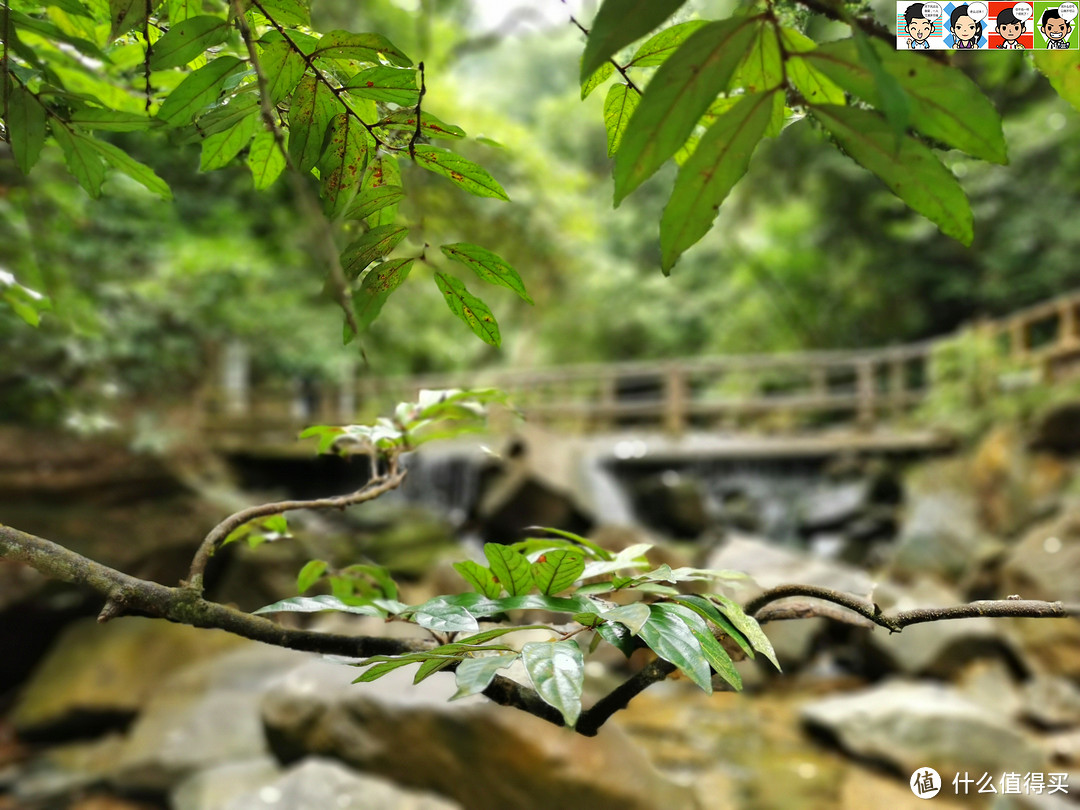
(124,593)
(182,605)
(371,490)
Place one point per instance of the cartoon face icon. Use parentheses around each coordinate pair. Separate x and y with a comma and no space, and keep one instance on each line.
(964,28)
(919,29)
(1011,31)
(1053,27)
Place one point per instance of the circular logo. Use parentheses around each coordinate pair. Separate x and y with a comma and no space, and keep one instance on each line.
(925,783)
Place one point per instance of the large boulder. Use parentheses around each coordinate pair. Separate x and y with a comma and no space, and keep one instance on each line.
(317,784)
(99,675)
(672,503)
(909,725)
(204,715)
(940,533)
(484,756)
(217,786)
(770,564)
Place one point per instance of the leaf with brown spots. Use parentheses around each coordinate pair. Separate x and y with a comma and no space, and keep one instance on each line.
(125,15)
(188,39)
(382,83)
(360,47)
(375,243)
(462,172)
(380,281)
(488,266)
(311,109)
(342,163)
(1062,68)
(430,126)
(373,200)
(474,312)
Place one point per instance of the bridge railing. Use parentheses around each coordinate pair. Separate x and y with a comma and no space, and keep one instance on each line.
(778,390)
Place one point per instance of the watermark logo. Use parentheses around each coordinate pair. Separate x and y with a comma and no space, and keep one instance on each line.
(925,783)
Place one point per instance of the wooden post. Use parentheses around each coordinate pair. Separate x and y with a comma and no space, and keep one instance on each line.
(865,393)
(675,400)
(1018,338)
(608,400)
(1067,332)
(820,382)
(897,385)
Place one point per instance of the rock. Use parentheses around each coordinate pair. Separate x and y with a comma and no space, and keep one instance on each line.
(1044,563)
(738,510)
(909,725)
(937,648)
(990,683)
(1052,702)
(318,784)
(829,506)
(672,503)
(66,769)
(99,675)
(484,756)
(214,788)
(769,565)
(940,533)
(204,715)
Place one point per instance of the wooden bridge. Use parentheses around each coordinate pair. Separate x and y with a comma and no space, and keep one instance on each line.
(849,393)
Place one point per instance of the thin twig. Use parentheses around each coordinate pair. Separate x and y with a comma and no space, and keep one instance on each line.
(5,67)
(618,67)
(146,59)
(419,100)
(373,489)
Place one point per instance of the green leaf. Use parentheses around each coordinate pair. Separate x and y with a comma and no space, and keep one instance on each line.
(620,22)
(283,68)
(619,106)
(714,653)
(761,69)
(555,571)
(812,84)
(557,672)
(747,625)
(460,171)
(1062,68)
(180,10)
(139,172)
(705,180)
(374,199)
(618,636)
(288,12)
(633,616)
(470,309)
(221,147)
(125,15)
(186,40)
(597,551)
(384,666)
(361,47)
(382,83)
(488,266)
(110,120)
(265,159)
(480,577)
(383,170)
(658,48)
(343,162)
(26,128)
(429,668)
(474,674)
(430,126)
(382,280)
(891,98)
(479,605)
(316,604)
(911,172)
(670,638)
(445,618)
(26,303)
(199,89)
(678,95)
(221,116)
(82,159)
(310,574)
(311,109)
(601,75)
(510,568)
(372,245)
(707,610)
(946,104)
